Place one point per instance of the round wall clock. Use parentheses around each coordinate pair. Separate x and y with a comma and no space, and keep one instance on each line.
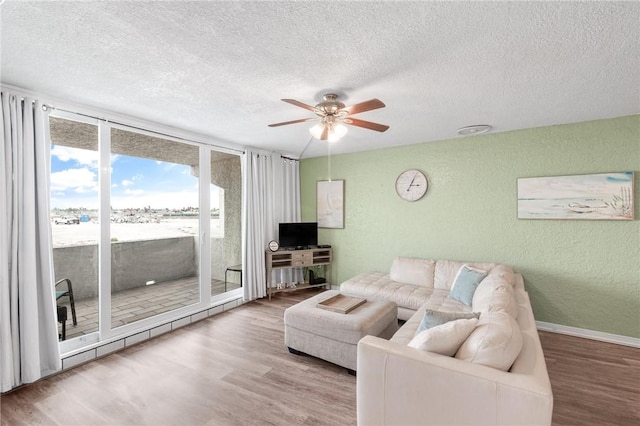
(411,185)
(273,245)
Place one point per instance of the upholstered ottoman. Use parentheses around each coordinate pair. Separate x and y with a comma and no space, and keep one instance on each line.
(334,336)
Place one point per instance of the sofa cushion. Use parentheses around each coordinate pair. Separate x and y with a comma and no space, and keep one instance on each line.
(495,294)
(444,339)
(495,342)
(433,318)
(440,301)
(408,270)
(379,286)
(465,283)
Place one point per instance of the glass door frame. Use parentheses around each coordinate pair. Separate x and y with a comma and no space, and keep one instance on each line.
(93,337)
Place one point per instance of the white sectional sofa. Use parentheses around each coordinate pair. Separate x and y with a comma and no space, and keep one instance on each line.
(495,375)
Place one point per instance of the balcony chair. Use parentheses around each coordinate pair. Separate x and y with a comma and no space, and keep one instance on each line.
(62,319)
(68,293)
(234,268)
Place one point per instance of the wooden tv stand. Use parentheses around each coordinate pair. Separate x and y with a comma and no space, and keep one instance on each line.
(289,259)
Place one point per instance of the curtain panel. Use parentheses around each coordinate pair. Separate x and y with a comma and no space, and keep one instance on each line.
(271,195)
(28,325)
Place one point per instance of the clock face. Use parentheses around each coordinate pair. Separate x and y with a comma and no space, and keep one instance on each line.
(273,245)
(411,185)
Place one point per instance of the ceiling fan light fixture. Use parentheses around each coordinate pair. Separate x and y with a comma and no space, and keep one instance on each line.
(336,131)
(476,129)
(316,131)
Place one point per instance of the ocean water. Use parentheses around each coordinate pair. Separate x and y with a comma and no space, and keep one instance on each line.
(567,208)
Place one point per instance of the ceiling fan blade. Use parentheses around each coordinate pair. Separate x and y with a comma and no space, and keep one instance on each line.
(284,123)
(300,104)
(366,124)
(364,106)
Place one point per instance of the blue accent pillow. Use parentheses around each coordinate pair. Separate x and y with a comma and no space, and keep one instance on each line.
(433,318)
(465,284)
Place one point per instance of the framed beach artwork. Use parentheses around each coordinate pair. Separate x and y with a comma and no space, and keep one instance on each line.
(330,204)
(600,196)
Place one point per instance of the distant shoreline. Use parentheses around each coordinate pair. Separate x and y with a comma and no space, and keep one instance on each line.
(87,233)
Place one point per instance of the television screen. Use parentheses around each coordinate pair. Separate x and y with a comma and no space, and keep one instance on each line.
(298,235)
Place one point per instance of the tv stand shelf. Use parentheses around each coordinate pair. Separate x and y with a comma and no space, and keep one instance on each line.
(289,259)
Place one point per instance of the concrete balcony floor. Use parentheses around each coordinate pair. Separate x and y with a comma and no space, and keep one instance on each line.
(133,305)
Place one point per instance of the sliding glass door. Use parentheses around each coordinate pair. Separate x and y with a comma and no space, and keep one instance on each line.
(74,201)
(154,226)
(132,213)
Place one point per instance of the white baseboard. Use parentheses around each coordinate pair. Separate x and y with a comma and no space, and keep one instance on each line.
(589,334)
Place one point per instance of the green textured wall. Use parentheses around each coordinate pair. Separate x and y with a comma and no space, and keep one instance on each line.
(582,274)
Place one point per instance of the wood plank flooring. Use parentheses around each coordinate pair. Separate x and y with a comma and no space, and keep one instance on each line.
(233,369)
(593,383)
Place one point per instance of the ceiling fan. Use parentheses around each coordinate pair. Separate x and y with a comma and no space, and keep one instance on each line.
(333,114)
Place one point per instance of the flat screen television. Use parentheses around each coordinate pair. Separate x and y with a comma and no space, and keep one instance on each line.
(298,235)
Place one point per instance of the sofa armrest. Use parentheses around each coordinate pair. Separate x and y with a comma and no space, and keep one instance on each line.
(399,385)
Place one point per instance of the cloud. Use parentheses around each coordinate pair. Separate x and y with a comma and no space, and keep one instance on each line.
(87,201)
(129,182)
(79,180)
(133,191)
(83,157)
(165,165)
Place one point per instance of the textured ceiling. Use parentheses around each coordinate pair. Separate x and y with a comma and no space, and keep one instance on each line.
(220,68)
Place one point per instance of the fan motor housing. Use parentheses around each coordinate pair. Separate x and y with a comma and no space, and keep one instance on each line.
(330,106)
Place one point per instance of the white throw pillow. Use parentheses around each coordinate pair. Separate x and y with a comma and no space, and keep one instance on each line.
(495,294)
(504,271)
(495,342)
(444,339)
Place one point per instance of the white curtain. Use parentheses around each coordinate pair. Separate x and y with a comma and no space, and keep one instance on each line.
(271,195)
(28,324)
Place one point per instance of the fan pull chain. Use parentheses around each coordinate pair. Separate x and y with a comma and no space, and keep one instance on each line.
(329,160)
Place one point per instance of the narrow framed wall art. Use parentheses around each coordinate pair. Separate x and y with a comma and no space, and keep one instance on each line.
(599,196)
(330,204)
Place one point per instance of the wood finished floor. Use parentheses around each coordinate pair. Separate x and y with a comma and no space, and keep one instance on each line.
(233,369)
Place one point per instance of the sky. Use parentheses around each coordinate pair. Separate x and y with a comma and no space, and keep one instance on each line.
(600,185)
(135,182)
